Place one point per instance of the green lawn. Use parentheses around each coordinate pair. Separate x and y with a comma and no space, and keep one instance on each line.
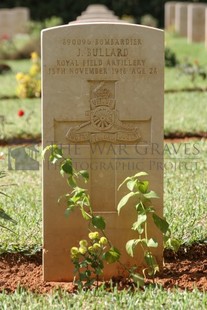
(185,112)
(186,51)
(27,126)
(176,80)
(150,298)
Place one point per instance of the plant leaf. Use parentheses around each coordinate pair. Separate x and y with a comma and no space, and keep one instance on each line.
(151,262)
(152,243)
(98,222)
(124,200)
(6,217)
(138,279)
(173,244)
(143,186)
(112,255)
(69,210)
(67,167)
(130,245)
(84,174)
(140,220)
(126,180)
(150,195)
(131,184)
(140,174)
(85,215)
(71,181)
(162,224)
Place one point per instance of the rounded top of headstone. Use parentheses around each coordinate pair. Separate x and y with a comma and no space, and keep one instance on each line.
(96,13)
(97,8)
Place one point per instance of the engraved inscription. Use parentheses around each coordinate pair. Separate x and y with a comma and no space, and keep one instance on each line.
(102,57)
(102,117)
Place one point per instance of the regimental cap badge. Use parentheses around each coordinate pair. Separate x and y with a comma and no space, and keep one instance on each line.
(102,94)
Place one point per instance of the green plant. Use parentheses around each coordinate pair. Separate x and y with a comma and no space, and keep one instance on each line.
(170,58)
(29,85)
(89,258)
(139,190)
(193,70)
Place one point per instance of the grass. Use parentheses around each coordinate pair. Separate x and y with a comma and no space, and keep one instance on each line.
(22,127)
(185,50)
(185,112)
(23,205)
(176,80)
(185,190)
(154,298)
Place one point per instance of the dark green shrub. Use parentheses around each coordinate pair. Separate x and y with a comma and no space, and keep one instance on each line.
(170,58)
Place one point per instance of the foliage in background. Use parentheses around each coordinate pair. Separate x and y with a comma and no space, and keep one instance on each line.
(193,70)
(20,46)
(170,58)
(29,85)
(149,20)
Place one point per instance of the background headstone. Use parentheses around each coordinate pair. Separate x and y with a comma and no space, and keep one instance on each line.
(96,12)
(170,15)
(181,18)
(206,27)
(21,19)
(103,102)
(14,21)
(6,23)
(196,22)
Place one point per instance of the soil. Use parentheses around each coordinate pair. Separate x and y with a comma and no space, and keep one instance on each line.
(186,269)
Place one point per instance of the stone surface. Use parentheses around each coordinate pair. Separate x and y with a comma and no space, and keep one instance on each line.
(13,21)
(181,18)
(170,15)
(103,102)
(206,28)
(22,17)
(5,22)
(97,12)
(196,22)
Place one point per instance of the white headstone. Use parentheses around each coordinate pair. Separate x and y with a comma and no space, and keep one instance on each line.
(170,15)
(181,18)
(103,102)
(196,22)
